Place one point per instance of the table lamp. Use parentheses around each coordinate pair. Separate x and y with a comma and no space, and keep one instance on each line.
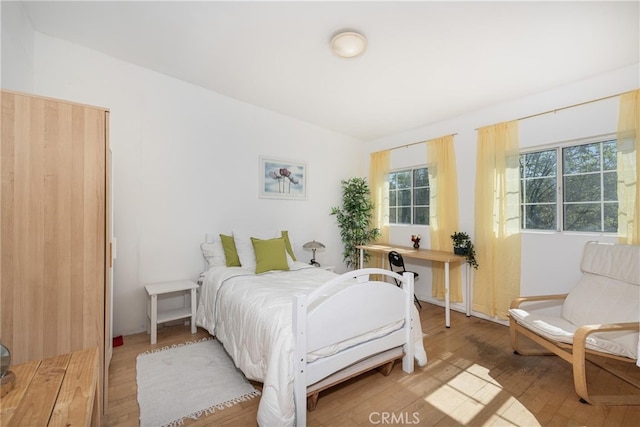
(7,378)
(314,246)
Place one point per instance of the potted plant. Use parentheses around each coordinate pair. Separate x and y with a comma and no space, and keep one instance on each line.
(354,219)
(462,245)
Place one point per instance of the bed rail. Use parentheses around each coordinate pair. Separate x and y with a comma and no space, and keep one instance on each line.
(363,306)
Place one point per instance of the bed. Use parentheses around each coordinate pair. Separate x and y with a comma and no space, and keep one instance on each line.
(299,329)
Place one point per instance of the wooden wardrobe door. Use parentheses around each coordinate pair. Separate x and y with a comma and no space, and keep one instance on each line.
(53,160)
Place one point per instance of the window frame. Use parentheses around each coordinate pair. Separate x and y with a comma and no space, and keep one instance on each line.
(560,185)
(412,189)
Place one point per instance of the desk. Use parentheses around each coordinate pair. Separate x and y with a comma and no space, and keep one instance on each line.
(428,255)
(57,391)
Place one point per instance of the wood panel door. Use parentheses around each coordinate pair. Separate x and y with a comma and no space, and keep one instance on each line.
(53,227)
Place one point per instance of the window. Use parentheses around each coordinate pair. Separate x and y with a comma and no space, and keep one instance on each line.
(409,197)
(587,188)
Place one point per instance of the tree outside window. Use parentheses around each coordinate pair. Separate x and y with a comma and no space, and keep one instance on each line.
(587,188)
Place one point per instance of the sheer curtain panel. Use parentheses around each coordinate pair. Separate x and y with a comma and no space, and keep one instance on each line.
(628,159)
(497,219)
(379,185)
(443,212)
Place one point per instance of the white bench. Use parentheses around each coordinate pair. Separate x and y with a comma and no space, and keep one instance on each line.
(600,316)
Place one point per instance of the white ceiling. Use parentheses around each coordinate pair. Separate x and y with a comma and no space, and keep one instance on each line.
(425,61)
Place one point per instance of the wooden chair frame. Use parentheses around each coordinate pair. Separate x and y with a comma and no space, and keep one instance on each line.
(577,354)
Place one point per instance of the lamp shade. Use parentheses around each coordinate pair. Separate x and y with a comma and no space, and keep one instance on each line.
(348,44)
(313,245)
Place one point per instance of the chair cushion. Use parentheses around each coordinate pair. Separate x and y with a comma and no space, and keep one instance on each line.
(561,330)
(601,300)
(597,299)
(619,262)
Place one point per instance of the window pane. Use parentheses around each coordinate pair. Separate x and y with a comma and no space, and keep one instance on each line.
(393,181)
(540,217)
(582,217)
(404,179)
(541,190)
(420,177)
(421,196)
(404,198)
(582,188)
(538,164)
(611,217)
(609,155)
(421,215)
(393,198)
(610,186)
(581,158)
(392,215)
(538,187)
(404,215)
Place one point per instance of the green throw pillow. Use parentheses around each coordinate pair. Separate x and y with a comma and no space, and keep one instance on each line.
(287,244)
(270,254)
(230,252)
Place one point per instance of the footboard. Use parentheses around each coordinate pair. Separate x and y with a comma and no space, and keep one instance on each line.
(338,326)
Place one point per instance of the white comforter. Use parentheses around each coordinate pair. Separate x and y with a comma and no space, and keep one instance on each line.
(253,320)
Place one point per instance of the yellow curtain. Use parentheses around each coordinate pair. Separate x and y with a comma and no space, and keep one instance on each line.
(497,220)
(379,185)
(443,212)
(628,160)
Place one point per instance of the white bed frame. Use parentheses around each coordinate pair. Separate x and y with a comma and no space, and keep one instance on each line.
(371,304)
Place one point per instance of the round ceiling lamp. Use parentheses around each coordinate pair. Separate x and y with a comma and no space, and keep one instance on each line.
(348,44)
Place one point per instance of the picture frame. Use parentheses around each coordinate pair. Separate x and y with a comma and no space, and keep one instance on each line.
(282,179)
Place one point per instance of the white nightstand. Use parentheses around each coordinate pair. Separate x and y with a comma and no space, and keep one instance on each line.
(154,318)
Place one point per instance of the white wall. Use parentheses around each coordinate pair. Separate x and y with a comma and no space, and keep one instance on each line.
(16,57)
(185,162)
(549,260)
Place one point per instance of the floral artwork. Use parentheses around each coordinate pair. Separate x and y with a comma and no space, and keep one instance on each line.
(282,179)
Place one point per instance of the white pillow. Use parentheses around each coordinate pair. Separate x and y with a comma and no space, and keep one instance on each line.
(244,247)
(213,253)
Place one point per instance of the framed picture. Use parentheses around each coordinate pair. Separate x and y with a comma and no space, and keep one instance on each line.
(283,179)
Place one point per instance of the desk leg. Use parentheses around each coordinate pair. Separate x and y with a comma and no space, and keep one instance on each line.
(154,318)
(447,303)
(193,311)
(361,258)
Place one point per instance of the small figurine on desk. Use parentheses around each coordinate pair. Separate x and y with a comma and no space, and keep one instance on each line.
(415,238)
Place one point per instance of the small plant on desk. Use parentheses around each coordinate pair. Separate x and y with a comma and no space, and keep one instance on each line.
(415,238)
(462,245)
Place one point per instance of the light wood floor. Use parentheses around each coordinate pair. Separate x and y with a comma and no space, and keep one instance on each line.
(472,378)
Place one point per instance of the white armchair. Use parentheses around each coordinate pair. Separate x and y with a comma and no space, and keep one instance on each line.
(600,316)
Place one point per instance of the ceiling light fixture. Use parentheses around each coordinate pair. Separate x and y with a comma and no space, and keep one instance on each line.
(348,44)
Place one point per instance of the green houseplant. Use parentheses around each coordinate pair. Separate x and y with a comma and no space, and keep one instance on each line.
(354,219)
(462,245)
